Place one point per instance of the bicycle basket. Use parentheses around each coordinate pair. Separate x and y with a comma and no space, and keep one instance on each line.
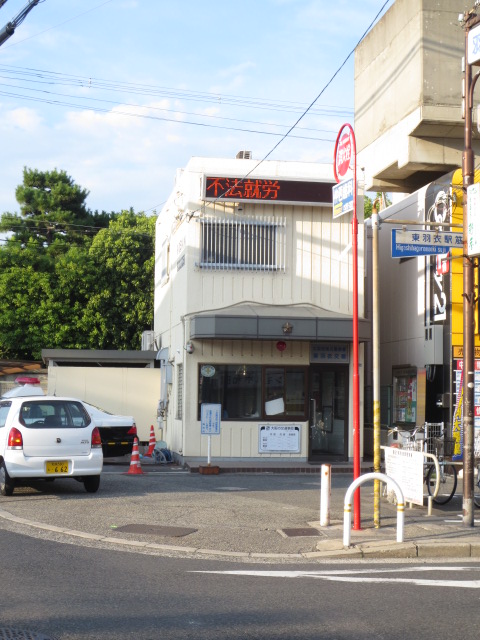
(449,447)
(445,446)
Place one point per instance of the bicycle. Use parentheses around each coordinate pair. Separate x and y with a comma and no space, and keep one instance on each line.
(430,438)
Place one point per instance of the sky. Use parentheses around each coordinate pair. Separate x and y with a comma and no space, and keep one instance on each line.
(122,93)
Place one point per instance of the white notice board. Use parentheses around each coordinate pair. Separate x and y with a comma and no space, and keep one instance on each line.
(406,468)
(210,419)
(278,438)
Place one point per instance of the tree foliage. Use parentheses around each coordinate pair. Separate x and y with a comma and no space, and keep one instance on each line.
(383,202)
(70,278)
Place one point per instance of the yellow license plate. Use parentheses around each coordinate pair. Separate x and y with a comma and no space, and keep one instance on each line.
(59,466)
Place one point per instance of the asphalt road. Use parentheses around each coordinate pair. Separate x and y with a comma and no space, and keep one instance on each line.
(70,592)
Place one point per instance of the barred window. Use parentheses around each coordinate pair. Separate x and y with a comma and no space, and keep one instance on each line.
(179,392)
(243,244)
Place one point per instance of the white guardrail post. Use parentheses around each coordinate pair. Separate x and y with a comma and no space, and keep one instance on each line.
(347,510)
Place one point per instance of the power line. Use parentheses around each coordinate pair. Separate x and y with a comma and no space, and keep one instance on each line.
(41,76)
(155,108)
(287,134)
(73,105)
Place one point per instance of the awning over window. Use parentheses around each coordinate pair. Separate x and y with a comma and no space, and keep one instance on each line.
(269,322)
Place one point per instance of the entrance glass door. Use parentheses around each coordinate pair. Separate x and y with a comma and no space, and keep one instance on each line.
(328,412)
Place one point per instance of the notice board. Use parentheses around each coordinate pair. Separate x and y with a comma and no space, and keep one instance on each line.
(278,438)
(406,468)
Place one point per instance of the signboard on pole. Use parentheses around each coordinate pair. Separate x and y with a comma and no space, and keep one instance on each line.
(342,197)
(210,419)
(344,153)
(473,219)
(473,46)
(410,244)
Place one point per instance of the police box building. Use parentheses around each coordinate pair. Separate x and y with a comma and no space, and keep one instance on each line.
(253,313)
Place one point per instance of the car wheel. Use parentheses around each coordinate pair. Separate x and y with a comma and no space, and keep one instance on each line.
(7,485)
(91,483)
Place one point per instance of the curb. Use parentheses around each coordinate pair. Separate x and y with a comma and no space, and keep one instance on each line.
(332,549)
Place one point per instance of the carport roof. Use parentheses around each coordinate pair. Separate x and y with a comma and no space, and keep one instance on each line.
(98,358)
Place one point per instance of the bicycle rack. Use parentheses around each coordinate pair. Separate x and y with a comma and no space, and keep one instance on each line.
(347,509)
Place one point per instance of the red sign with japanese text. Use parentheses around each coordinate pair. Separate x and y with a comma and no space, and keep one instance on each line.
(344,152)
(246,189)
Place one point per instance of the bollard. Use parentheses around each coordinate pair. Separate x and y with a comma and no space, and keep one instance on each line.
(325,494)
(347,509)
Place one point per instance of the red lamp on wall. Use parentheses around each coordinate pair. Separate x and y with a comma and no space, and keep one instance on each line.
(281,345)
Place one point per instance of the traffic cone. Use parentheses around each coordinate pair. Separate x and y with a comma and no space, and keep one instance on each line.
(135,466)
(151,444)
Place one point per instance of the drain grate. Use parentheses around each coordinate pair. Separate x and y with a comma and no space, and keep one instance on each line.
(8,633)
(156,530)
(301,532)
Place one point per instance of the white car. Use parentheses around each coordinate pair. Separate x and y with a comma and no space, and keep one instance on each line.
(117,432)
(48,437)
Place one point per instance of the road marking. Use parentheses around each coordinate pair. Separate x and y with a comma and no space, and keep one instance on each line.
(355,577)
(459,515)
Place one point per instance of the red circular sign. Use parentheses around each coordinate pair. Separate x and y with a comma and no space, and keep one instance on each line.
(344,152)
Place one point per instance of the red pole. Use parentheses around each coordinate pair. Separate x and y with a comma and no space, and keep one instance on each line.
(355,392)
(356,400)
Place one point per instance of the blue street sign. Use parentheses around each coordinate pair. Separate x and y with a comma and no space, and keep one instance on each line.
(342,197)
(410,244)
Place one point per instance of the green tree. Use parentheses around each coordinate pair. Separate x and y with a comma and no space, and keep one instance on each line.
(120,305)
(383,201)
(70,278)
(52,206)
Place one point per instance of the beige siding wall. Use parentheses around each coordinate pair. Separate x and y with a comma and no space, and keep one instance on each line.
(123,391)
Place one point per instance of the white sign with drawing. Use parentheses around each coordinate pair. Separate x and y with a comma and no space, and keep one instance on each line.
(406,468)
(278,438)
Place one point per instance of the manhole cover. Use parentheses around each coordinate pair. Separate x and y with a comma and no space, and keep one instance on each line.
(22,634)
(304,531)
(156,530)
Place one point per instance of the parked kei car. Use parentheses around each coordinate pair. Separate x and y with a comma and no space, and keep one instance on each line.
(48,437)
(117,432)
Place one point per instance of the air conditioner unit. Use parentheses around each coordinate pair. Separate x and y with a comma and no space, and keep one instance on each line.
(433,344)
(244,155)
(148,341)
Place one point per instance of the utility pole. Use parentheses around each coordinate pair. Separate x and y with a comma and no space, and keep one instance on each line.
(376,365)
(9,29)
(470,20)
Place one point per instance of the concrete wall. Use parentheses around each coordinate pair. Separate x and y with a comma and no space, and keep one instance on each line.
(408,95)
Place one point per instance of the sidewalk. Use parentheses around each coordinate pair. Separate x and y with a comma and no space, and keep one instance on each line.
(239,515)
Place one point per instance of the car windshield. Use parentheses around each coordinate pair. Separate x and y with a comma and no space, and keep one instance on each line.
(53,413)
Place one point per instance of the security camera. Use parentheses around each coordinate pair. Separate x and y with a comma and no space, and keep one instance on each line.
(189,348)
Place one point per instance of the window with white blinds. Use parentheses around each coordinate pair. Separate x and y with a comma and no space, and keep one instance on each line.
(179,412)
(257,245)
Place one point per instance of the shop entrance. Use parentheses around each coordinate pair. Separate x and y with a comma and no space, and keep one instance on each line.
(328,420)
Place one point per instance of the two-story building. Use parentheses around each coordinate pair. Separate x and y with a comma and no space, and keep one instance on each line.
(253,312)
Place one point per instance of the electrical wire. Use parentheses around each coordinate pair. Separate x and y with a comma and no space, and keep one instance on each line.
(287,134)
(73,105)
(154,108)
(41,76)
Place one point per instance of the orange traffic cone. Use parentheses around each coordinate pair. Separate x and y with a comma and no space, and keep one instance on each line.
(151,444)
(135,466)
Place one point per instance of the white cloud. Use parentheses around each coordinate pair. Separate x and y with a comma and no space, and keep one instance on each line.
(22,118)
